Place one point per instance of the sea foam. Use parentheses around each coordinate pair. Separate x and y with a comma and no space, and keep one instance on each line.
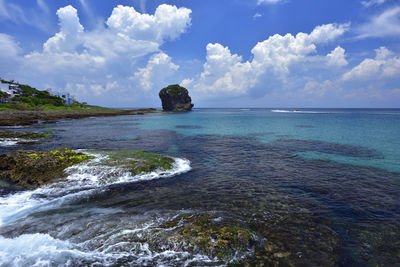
(83,179)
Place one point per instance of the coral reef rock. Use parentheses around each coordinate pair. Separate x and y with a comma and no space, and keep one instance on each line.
(175,98)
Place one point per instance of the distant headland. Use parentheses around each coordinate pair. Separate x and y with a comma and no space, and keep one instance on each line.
(21,104)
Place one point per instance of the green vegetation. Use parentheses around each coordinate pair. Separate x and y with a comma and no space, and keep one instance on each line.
(2,93)
(33,99)
(138,162)
(174,89)
(31,169)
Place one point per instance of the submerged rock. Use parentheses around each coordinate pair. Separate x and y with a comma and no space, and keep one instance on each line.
(31,169)
(23,138)
(175,98)
(210,235)
(22,135)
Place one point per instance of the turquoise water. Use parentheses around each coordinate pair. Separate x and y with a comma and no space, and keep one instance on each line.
(377,129)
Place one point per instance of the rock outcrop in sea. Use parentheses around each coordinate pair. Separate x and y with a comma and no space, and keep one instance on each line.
(175,98)
(32,169)
(28,169)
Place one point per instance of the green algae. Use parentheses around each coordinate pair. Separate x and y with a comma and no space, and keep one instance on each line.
(138,162)
(31,169)
(206,234)
(24,138)
(23,135)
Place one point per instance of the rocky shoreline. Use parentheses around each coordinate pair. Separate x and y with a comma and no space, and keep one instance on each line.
(29,169)
(24,117)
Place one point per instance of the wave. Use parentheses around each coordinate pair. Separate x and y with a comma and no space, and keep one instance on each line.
(96,173)
(281,111)
(104,248)
(14,127)
(9,142)
(83,179)
(14,141)
(44,250)
(303,111)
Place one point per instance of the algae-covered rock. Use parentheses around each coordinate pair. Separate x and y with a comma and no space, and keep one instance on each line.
(138,162)
(22,135)
(175,98)
(31,169)
(23,138)
(203,233)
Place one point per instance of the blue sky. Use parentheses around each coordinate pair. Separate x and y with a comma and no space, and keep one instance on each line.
(228,53)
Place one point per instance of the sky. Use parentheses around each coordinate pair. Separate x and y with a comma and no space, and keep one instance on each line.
(227,53)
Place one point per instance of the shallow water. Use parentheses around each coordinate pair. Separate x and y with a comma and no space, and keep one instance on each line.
(316,187)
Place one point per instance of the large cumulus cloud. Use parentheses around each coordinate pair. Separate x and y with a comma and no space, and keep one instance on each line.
(104,60)
(273,58)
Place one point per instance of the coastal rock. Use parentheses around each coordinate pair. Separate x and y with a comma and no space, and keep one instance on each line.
(26,169)
(26,117)
(31,169)
(138,162)
(23,138)
(210,235)
(175,98)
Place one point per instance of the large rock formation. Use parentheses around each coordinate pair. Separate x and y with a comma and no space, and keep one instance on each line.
(175,98)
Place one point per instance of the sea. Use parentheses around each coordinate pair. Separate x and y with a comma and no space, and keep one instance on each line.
(307,187)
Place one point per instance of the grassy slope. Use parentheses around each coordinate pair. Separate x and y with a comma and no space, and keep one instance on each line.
(34,99)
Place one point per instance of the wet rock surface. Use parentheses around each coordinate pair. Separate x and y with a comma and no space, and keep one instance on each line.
(210,235)
(137,162)
(175,98)
(12,118)
(22,135)
(31,169)
(24,138)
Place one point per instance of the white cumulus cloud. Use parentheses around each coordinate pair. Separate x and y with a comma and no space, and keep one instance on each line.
(70,34)
(385,65)
(337,57)
(227,73)
(168,22)
(104,60)
(159,67)
(224,72)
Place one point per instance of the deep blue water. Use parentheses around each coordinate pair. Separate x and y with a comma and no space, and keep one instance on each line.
(315,187)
